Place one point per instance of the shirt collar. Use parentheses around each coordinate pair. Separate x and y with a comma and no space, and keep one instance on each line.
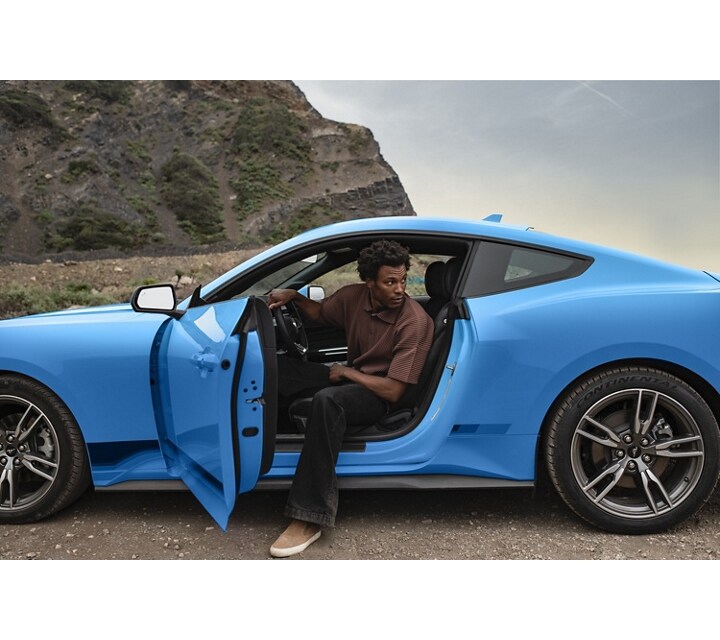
(386,315)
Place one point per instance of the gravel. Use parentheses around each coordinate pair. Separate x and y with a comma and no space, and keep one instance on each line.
(485,525)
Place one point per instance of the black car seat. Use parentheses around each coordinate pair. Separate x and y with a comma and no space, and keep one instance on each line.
(440,282)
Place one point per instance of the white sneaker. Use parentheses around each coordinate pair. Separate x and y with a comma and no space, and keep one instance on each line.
(295,539)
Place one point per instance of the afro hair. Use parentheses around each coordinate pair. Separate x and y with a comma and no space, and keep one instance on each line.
(382,253)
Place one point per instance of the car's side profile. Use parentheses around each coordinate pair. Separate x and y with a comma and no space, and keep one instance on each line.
(602,366)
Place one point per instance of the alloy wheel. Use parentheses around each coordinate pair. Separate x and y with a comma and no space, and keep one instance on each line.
(637,453)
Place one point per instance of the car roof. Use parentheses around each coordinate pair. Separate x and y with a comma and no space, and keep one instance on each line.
(491,229)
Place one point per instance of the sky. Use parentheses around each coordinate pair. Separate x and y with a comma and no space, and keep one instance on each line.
(629,164)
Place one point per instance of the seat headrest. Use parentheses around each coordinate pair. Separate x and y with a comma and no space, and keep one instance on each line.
(441,278)
(452,274)
(435,279)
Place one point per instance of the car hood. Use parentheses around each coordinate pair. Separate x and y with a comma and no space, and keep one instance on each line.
(108,313)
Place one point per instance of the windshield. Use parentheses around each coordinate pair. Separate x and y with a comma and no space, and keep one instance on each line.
(278,278)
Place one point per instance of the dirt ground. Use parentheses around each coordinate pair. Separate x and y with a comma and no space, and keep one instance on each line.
(517,524)
(118,277)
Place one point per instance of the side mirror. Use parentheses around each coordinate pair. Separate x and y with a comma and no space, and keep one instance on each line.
(312,291)
(156,298)
(316,293)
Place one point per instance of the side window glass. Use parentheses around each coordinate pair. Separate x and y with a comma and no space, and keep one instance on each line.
(338,278)
(528,263)
(501,267)
(348,274)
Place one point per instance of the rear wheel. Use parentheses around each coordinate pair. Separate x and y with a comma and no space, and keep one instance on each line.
(633,450)
(43,464)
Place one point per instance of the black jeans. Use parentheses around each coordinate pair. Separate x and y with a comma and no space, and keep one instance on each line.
(314,493)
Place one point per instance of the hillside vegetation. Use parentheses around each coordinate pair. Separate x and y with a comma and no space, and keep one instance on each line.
(157,167)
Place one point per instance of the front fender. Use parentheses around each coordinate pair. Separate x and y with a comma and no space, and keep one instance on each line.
(97,362)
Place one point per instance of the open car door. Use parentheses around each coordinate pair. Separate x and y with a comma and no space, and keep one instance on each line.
(215,391)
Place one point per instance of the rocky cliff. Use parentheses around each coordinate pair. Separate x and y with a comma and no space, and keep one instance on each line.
(147,167)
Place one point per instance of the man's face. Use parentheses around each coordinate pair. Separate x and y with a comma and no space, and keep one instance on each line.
(388,289)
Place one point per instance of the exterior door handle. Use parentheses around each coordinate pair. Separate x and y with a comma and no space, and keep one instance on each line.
(205,361)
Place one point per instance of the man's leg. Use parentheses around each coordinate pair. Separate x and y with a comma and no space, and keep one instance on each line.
(297,377)
(313,496)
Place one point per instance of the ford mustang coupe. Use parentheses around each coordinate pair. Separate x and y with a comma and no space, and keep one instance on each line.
(601,367)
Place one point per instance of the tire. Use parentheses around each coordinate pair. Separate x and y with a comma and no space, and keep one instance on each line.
(43,461)
(633,450)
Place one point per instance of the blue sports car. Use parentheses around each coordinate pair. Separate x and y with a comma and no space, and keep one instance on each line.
(598,367)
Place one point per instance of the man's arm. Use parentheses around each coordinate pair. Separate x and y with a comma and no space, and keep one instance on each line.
(309,308)
(386,388)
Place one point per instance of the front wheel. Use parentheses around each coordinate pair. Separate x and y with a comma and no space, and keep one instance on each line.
(43,463)
(633,450)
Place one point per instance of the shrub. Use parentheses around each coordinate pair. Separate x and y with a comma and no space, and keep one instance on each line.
(358,141)
(178,85)
(267,128)
(77,169)
(107,90)
(140,150)
(191,192)
(257,184)
(26,109)
(19,301)
(145,209)
(92,229)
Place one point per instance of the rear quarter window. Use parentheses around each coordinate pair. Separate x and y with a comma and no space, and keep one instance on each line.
(499,267)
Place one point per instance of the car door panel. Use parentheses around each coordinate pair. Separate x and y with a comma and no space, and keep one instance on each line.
(211,382)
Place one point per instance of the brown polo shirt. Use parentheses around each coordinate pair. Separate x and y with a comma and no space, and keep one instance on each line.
(391,342)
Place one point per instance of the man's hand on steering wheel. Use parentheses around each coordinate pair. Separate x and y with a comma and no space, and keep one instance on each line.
(289,323)
(280,297)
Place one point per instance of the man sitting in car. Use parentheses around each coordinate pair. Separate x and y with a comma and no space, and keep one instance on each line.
(389,336)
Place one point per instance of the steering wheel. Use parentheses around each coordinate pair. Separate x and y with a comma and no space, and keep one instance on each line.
(291,331)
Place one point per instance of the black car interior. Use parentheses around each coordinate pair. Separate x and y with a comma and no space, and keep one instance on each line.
(436,292)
